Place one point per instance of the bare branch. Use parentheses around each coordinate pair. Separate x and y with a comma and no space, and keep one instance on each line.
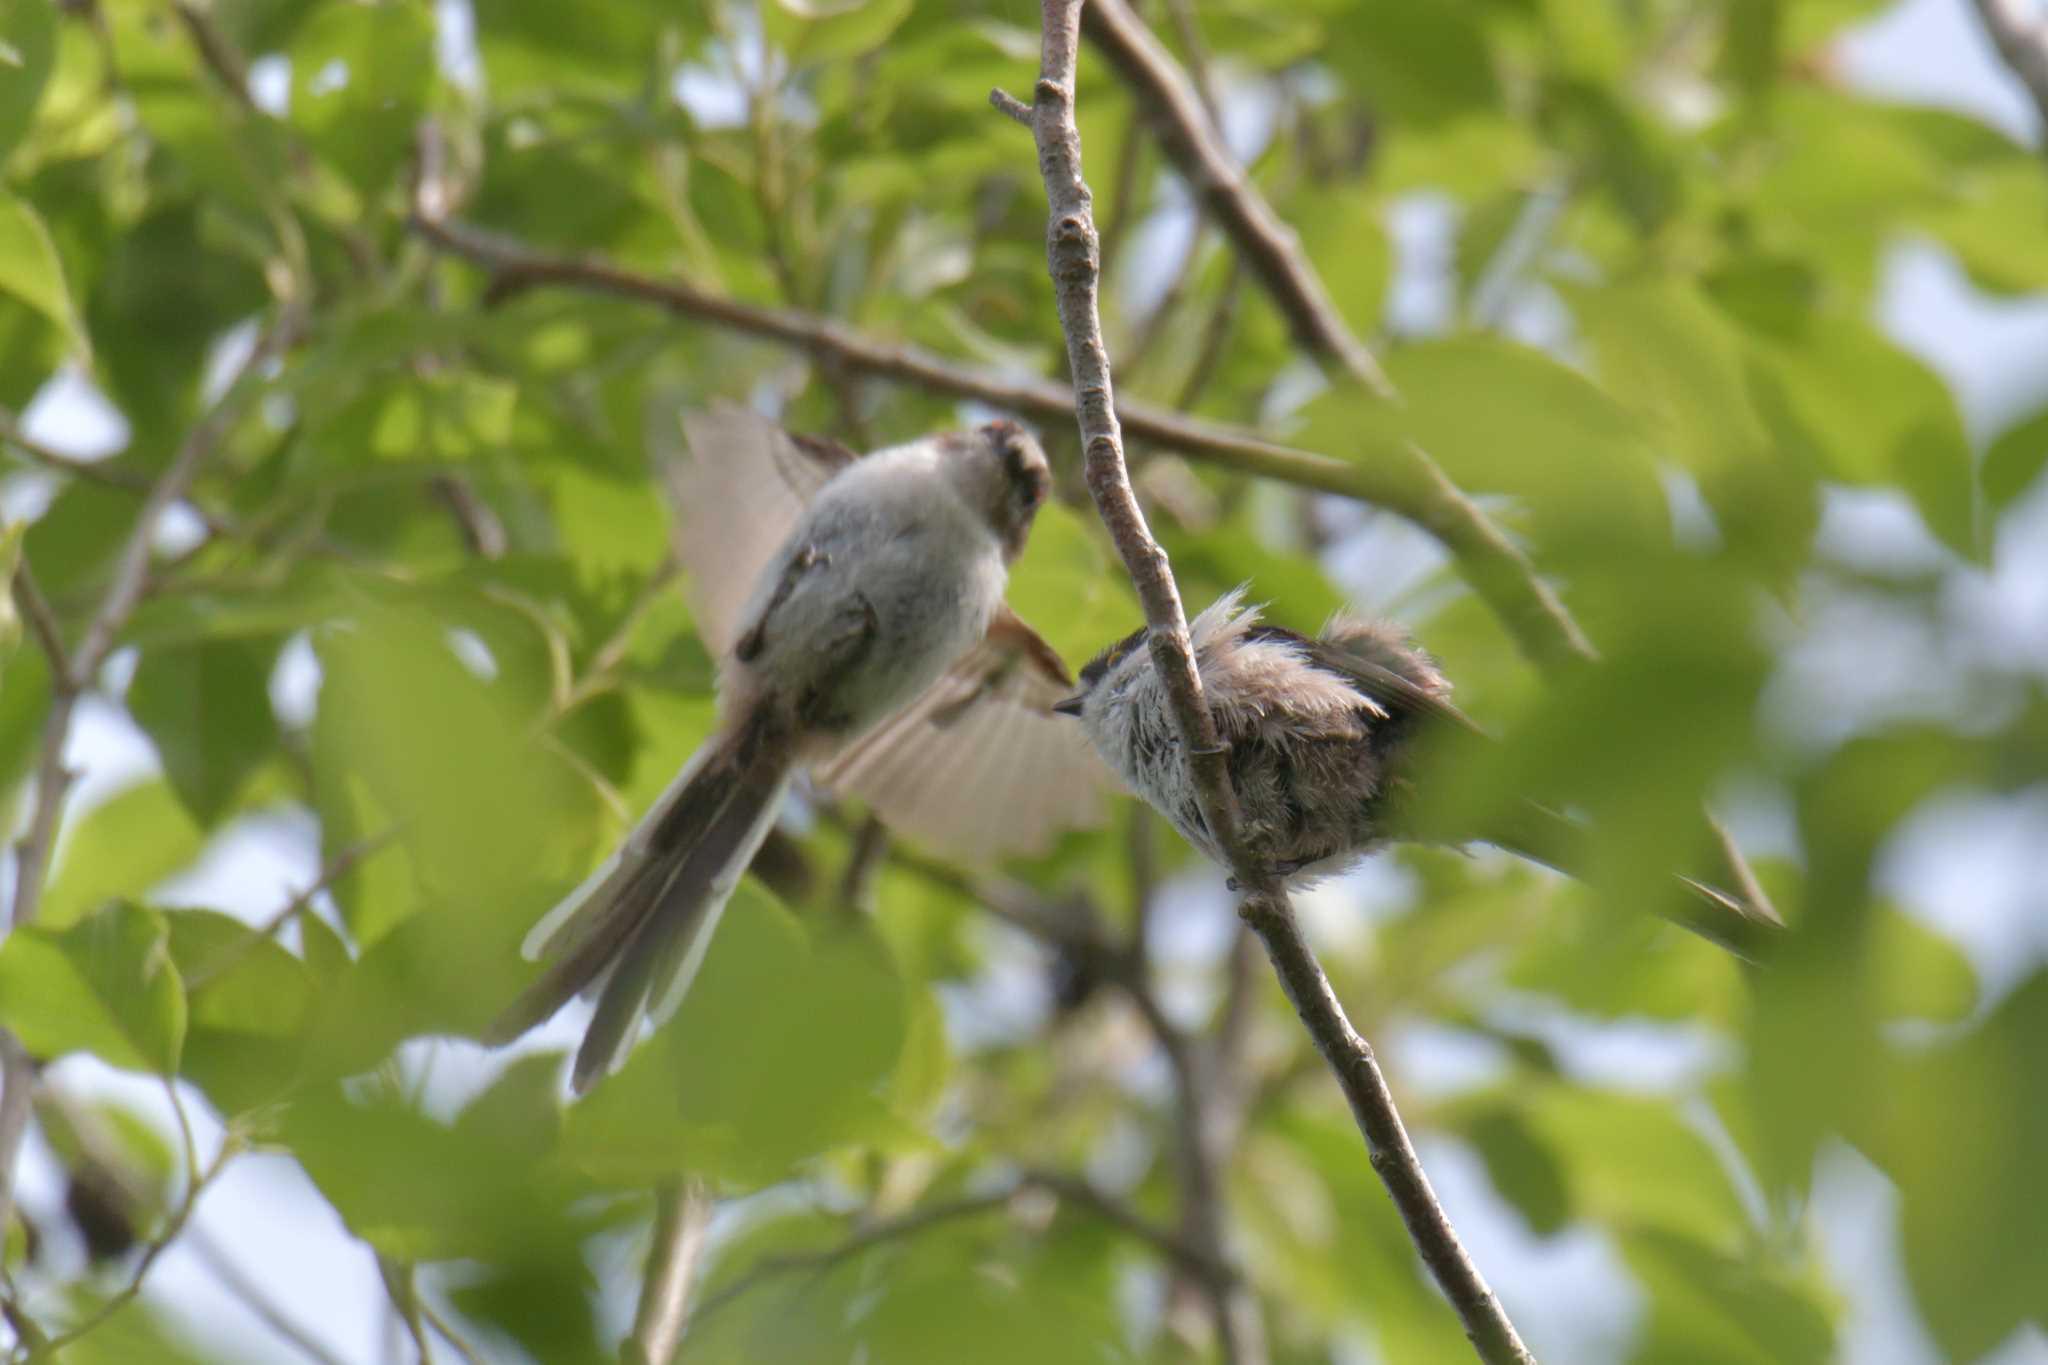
(682,1217)
(874,1234)
(2019,30)
(103,472)
(1383,472)
(52,1349)
(404,1293)
(17,1106)
(70,675)
(257,1299)
(1268,245)
(1496,568)
(1075,267)
(337,867)
(1358,1074)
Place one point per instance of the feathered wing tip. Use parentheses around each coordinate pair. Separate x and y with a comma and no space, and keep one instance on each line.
(1387,644)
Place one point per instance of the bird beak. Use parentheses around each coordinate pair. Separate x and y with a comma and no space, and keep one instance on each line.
(1071,706)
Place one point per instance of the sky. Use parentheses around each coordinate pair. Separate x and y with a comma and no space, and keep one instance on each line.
(1974,867)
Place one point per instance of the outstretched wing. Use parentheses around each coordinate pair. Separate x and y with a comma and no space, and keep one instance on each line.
(976,767)
(737,490)
(980,765)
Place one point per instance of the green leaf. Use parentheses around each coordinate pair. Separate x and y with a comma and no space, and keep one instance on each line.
(360,77)
(1873,415)
(249,1002)
(1667,353)
(1680,364)
(488,817)
(10,616)
(419,1190)
(1916,973)
(823,1014)
(554,48)
(1525,1171)
(207,708)
(106,986)
(31,270)
(1961,1132)
(24,700)
(1632,1162)
(30,46)
(1709,1305)
(813,32)
(2015,460)
(1065,587)
(121,847)
(1419,60)
(1505,418)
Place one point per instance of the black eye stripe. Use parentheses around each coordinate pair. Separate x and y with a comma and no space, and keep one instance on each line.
(1092,672)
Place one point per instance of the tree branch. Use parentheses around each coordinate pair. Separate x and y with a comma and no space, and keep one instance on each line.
(73,672)
(1383,472)
(2019,30)
(1073,259)
(1268,245)
(886,1230)
(682,1217)
(1495,567)
(256,1298)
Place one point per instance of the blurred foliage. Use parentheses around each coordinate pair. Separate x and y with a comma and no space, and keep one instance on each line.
(1667,222)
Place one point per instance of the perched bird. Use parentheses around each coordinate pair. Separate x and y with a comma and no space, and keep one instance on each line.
(880,593)
(1320,733)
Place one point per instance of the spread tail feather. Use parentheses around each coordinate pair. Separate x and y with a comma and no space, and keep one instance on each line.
(636,930)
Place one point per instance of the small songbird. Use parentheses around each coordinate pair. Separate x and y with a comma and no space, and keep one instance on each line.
(882,587)
(1320,731)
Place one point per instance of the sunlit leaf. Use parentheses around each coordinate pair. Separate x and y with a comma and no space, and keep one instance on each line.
(824,1014)
(122,847)
(106,985)
(31,270)
(207,708)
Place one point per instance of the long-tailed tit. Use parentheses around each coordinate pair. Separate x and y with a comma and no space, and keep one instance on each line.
(875,604)
(1320,732)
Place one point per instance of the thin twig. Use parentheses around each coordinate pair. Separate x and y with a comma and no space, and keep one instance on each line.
(1381,471)
(1177,1248)
(337,867)
(863,860)
(682,1218)
(103,472)
(874,1234)
(405,1302)
(72,672)
(255,1297)
(1073,257)
(1496,568)
(445,1330)
(1393,1156)
(1075,268)
(52,1348)
(2019,30)
(1268,245)
(17,1105)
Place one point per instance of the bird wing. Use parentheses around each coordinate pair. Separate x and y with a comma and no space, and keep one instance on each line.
(980,765)
(1389,688)
(737,490)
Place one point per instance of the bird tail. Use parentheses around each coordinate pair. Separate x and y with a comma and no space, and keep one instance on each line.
(1556,840)
(635,932)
